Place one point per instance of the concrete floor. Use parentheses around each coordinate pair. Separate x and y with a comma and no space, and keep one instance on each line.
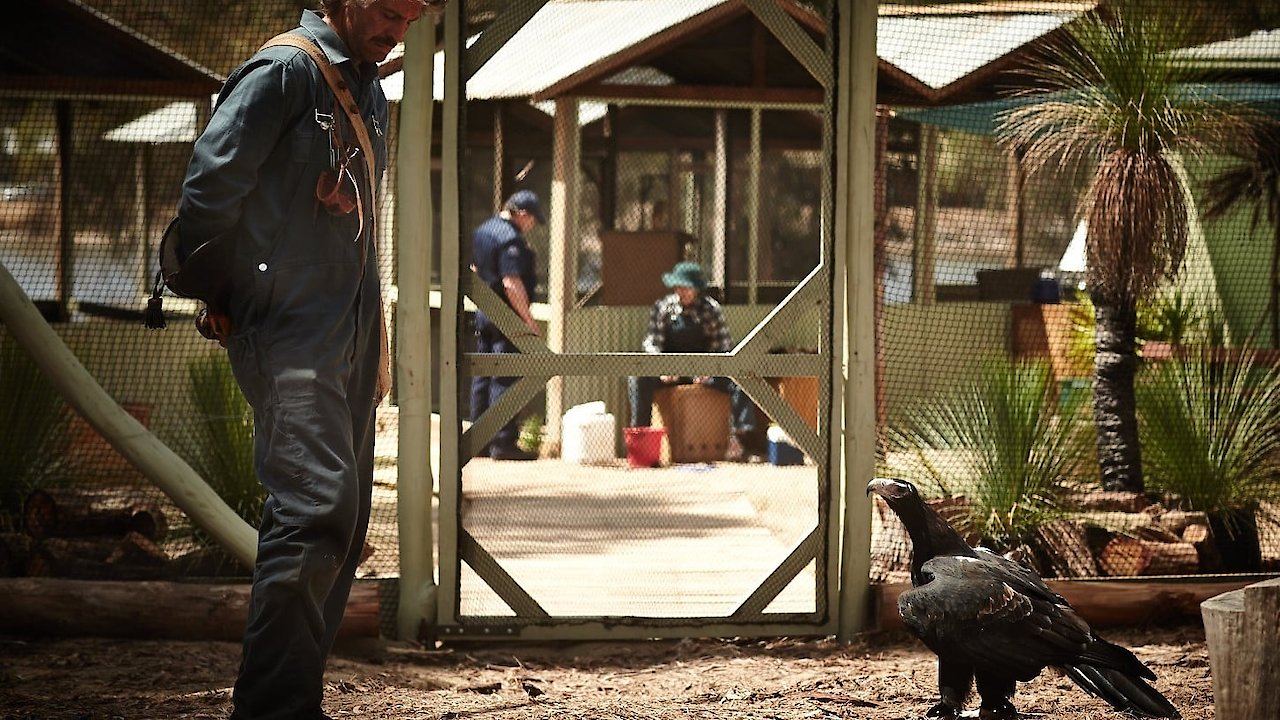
(608,540)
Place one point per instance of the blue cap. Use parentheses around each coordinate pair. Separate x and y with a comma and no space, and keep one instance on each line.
(527,201)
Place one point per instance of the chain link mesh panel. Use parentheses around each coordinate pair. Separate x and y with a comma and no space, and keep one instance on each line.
(986,329)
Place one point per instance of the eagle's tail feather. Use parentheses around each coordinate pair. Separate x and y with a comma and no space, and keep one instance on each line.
(1122,691)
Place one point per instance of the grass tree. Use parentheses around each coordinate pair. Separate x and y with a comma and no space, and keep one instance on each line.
(1116,101)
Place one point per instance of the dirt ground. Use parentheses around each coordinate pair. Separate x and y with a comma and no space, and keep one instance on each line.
(879,677)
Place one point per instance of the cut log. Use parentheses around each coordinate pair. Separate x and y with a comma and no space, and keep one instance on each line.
(132,557)
(1128,556)
(1106,500)
(150,610)
(1175,521)
(1200,536)
(1269,535)
(15,550)
(1123,557)
(1242,633)
(1065,549)
(66,512)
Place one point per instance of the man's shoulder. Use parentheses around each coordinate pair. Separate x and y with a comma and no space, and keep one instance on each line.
(496,230)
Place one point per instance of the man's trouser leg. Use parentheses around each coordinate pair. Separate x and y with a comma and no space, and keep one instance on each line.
(317,505)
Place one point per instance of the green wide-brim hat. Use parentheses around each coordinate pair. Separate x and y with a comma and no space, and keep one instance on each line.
(685,274)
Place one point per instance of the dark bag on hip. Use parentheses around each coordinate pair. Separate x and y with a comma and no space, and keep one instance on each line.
(204,274)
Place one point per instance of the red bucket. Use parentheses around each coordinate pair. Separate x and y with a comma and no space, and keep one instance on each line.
(644,446)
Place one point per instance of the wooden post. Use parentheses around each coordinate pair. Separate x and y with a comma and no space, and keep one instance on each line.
(924,289)
(855,232)
(413,320)
(1242,629)
(563,254)
(1017,212)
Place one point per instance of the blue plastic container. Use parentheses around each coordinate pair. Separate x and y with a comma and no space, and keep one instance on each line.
(785,454)
(781,451)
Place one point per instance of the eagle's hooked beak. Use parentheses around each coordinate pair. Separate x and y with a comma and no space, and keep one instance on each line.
(888,488)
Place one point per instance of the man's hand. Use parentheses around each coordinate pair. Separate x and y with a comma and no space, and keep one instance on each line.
(214,326)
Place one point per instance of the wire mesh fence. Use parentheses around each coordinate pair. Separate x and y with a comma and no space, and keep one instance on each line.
(703,139)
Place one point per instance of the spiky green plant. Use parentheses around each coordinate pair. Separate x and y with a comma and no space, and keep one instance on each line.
(220,445)
(34,432)
(1211,430)
(1117,100)
(1016,443)
(1172,317)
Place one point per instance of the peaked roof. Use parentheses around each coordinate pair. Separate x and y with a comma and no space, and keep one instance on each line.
(1257,51)
(928,55)
(66,48)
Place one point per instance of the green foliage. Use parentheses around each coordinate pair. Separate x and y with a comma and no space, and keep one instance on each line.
(1173,318)
(1017,444)
(220,446)
(34,431)
(1210,430)
(531,430)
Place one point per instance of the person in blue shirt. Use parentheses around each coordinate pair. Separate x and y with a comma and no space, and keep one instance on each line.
(501,256)
(687,321)
(302,324)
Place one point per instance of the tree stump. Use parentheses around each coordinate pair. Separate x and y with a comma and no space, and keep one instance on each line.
(1242,629)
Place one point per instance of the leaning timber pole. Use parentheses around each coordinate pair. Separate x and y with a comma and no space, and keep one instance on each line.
(129,437)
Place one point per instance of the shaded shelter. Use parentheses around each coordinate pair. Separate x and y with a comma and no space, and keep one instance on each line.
(64,51)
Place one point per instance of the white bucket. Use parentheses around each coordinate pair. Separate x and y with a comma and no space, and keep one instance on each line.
(587,437)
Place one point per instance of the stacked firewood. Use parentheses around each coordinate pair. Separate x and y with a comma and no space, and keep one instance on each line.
(1115,534)
(83,534)
(92,534)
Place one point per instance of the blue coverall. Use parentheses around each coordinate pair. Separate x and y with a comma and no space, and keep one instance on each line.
(498,249)
(305,308)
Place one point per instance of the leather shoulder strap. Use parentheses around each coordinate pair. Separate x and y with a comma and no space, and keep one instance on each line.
(348,104)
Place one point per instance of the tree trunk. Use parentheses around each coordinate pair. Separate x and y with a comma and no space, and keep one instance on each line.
(1114,409)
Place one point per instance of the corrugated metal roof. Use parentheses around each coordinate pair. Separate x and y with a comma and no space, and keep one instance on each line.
(563,38)
(939,50)
(1260,49)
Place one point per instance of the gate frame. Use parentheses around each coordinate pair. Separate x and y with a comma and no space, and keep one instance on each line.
(427,609)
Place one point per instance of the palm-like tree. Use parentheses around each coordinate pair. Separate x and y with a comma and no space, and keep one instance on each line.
(1255,181)
(1117,100)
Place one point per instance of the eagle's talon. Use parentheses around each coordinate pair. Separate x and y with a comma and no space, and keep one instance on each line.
(1004,711)
(942,711)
